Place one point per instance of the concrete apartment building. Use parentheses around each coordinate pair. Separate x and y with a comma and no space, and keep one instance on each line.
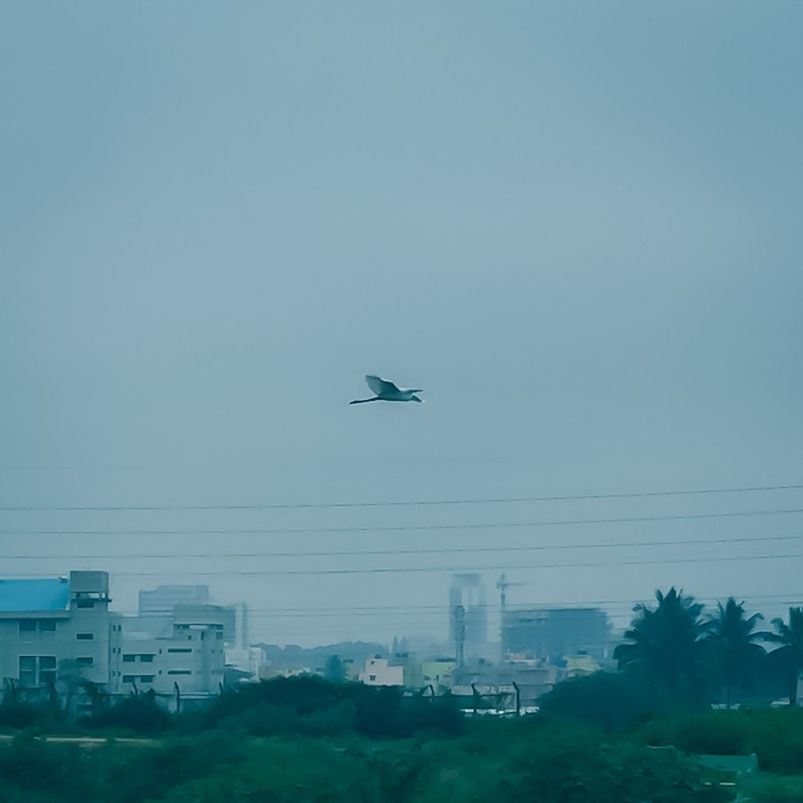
(56,629)
(191,657)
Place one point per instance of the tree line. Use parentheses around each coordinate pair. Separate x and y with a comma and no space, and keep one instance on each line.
(693,657)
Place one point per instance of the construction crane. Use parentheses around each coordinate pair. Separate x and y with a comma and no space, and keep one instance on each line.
(502,585)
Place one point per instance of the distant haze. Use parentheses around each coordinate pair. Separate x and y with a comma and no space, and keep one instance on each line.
(576,226)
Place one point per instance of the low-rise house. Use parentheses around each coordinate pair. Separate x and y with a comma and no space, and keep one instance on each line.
(380,672)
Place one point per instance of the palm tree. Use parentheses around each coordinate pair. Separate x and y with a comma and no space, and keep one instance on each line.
(667,644)
(789,656)
(733,638)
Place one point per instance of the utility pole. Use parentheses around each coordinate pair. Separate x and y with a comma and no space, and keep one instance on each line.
(502,585)
(518,698)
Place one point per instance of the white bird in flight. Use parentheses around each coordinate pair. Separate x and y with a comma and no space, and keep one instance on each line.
(387,391)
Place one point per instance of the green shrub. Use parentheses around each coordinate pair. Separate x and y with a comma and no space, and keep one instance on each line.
(775,735)
(19,715)
(770,789)
(387,713)
(572,767)
(269,719)
(133,775)
(611,701)
(35,766)
(313,706)
(140,714)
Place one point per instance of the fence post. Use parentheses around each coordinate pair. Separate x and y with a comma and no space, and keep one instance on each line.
(476,696)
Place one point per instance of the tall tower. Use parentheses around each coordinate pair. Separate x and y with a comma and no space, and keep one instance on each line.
(468,619)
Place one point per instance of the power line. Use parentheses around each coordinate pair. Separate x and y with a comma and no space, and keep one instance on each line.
(403,503)
(443,611)
(494,606)
(413,527)
(423,551)
(426,569)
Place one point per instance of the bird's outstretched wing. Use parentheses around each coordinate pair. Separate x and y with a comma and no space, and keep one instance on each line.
(380,386)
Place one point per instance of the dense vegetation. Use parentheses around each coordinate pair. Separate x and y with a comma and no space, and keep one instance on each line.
(307,739)
(621,737)
(510,761)
(693,659)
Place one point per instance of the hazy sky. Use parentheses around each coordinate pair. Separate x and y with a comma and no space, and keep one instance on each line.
(576,225)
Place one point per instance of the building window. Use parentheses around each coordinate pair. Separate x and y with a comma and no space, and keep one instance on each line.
(129,678)
(146,678)
(179,649)
(146,659)
(47,669)
(29,627)
(37,670)
(85,603)
(179,671)
(85,661)
(85,636)
(129,659)
(27,670)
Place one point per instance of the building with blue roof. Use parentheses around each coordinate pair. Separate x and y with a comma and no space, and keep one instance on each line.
(47,621)
(40,595)
(55,630)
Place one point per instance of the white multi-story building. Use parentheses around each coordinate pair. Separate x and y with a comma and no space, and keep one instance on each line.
(57,632)
(191,658)
(57,628)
